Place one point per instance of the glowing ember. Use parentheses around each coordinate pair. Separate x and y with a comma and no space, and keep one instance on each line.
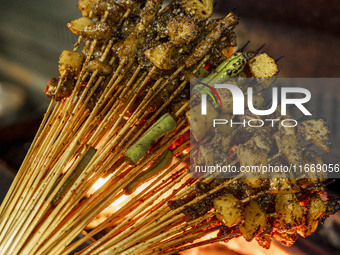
(185,152)
(118,203)
(98,184)
(236,246)
(111,208)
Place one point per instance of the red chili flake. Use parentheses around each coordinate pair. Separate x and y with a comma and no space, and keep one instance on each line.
(232,149)
(207,66)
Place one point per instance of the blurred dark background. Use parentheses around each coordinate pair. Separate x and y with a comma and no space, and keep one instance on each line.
(33,34)
(306,32)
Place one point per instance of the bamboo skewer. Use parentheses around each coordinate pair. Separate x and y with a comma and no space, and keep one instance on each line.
(50,201)
(26,191)
(201,243)
(140,194)
(19,181)
(92,49)
(144,206)
(55,209)
(184,237)
(61,126)
(159,237)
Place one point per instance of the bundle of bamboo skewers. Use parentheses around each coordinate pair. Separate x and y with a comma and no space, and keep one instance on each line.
(119,110)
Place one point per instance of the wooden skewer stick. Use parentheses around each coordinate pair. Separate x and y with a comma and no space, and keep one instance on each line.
(156,239)
(23,190)
(84,126)
(144,206)
(68,193)
(186,237)
(148,189)
(19,180)
(201,243)
(147,162)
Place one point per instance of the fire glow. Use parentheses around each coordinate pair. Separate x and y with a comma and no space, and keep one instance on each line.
(236,246)
(233,247)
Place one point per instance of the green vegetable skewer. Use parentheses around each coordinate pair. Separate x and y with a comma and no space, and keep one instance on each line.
(74,175)
(162,162)
(138,150)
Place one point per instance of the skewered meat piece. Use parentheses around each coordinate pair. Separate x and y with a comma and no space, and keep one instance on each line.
(255,221)
(217,52)
(204,46)
(316,131)
(225,130)
(250,154)
(214,154)
(289,211)
(90,29)
(160,55)
(127,51)
(99,66)
(263,66)
(201,124)
(308,228)
(77,26)
(182,30)
(99,31)
(70,62)
(281,183)
(113,10)
(316,208)
(229,210)
(86,6)
(148,13)
(66,87)
(289,146)
(200,10)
